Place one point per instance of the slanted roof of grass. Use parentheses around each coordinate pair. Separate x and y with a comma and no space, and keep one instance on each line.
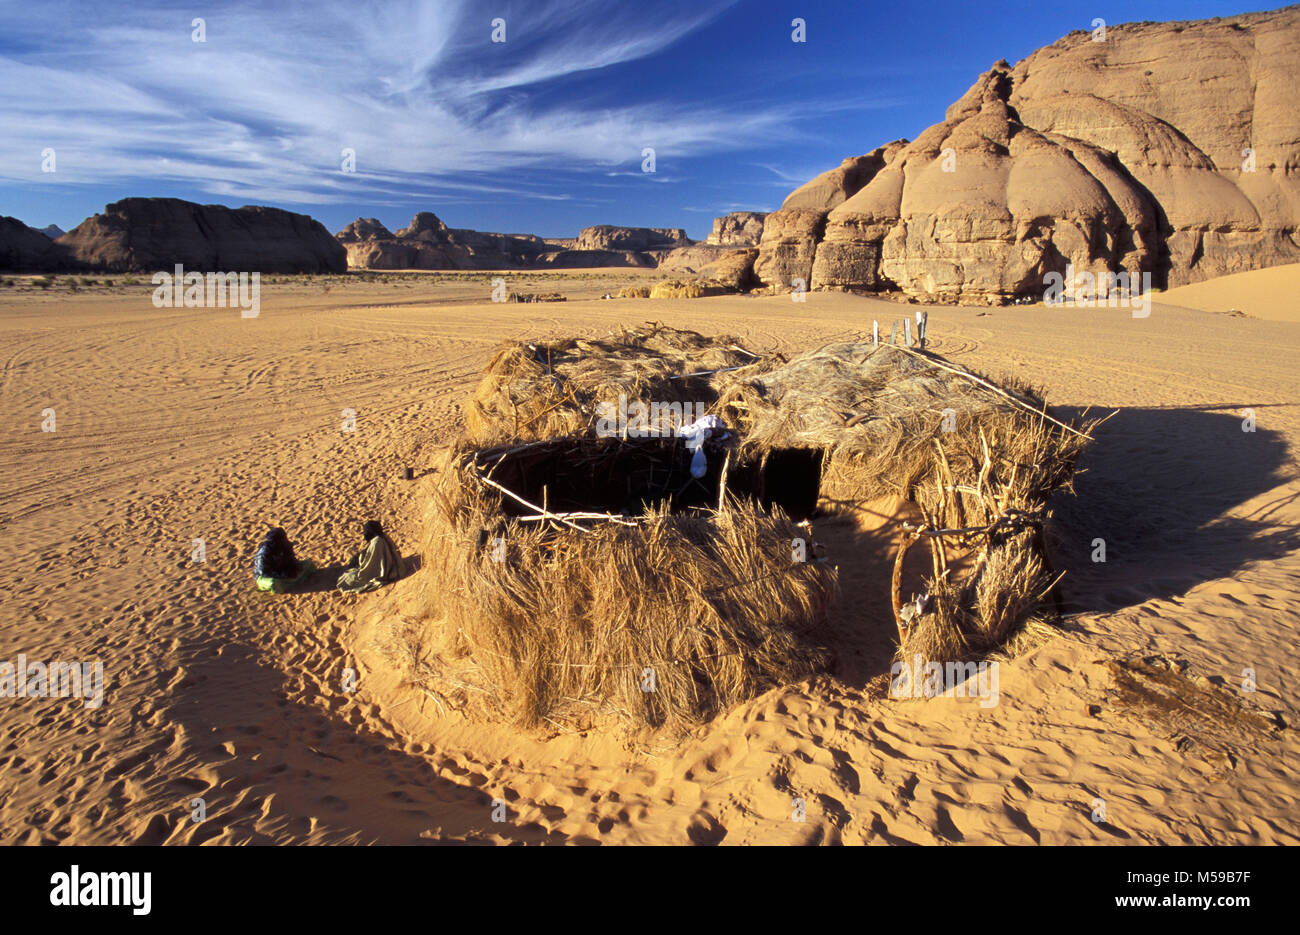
(544,389)
(852,395)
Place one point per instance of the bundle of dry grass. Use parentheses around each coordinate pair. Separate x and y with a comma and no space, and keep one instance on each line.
(536,297)
(687,289)
(533,390)
(548,615)
(979,460)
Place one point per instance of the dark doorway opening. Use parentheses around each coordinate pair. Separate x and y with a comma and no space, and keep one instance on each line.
(632,476)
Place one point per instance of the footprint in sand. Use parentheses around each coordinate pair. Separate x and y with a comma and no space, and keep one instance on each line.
(705,829)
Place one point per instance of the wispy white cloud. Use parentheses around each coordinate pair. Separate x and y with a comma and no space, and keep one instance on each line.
(264,108)
(797,176)
(727,208)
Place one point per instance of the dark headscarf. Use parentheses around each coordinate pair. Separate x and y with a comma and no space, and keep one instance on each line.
(274,557)
(371,529)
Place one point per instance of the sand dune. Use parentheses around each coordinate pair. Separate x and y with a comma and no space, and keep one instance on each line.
(1272,293)
(174,425)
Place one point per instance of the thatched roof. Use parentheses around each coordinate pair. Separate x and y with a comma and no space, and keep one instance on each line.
(534,389)
(851,397)
(878,412)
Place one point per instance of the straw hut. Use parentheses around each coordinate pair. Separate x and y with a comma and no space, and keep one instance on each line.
(583,555)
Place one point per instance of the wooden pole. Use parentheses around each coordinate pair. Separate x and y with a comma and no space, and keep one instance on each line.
(722,481)
(997,389)
(543,517)
(514,496)
(896,585)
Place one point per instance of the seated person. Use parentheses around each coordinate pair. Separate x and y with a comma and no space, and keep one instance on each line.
(274,565)
(375,565)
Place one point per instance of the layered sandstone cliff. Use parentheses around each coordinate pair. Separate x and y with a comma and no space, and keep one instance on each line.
(791,234)
(1167,148)
(610,237)
(737,229)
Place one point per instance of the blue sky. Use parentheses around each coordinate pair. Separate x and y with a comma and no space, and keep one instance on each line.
(542,133)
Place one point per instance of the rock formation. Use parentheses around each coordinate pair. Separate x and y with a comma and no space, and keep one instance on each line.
(981,205)
(425,226)
(608,237)
(1167,148)
(737,229)
(364,229)
(791,235)
(25,249)
(729,265)
(428,243)
(143,234)
(53,231)
(592,259)
(1204,116)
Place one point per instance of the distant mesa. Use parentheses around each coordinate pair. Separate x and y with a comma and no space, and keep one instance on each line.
(428,243)
(141,234)
(151,234)
(609,237)
(25,249)
(1168,148)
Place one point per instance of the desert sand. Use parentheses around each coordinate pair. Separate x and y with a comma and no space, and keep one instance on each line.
(182,424)
(1260,293)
